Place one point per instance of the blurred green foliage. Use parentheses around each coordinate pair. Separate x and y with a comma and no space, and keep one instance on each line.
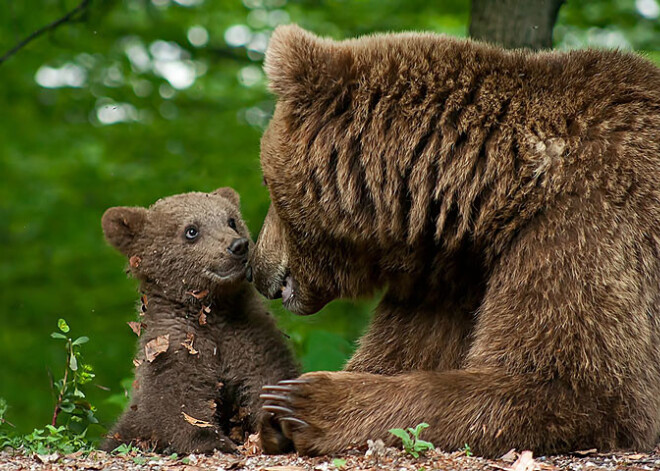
(139,99)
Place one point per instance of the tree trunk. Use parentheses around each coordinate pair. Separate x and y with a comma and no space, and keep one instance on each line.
(514,23)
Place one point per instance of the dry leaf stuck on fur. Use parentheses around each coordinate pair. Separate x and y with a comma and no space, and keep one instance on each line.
(188,343)
(136,327)
(196,422)
(134,261)
(198,294)
(155,347)
(202,317)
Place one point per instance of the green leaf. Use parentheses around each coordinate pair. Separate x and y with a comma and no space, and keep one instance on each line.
(90,417)
(422,445)
(73,363)
(3,408)
(67,407)
(63,326)
(339,463)
(417,430)
(403,435)
(400,433)
(57,335)
(80,340)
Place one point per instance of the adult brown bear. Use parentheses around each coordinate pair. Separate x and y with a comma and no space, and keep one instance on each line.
(509,202)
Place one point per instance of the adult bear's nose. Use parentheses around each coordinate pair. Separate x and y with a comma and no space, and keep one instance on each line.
(238,247)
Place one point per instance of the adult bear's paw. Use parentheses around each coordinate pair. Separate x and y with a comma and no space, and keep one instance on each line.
(315,411)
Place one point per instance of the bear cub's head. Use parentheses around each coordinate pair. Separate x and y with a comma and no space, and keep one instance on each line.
(182,243)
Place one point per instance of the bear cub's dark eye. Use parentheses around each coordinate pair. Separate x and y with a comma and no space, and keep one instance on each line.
(191,233)
(232,223)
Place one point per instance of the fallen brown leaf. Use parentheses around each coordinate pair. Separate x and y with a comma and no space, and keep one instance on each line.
(137,362)
(591,451)
(155,347)
(525,462)
(284,468)
(134,261)
(48,458)
(188,343)
(252,445)
(198,294)
(136,327)
(196,422)
(236,464)
(510,456)
(202,317)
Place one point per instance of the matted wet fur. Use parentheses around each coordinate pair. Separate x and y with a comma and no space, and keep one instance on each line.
(220,344)
(508,201)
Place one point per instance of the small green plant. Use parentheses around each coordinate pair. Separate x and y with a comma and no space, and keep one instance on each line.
(3,410)
(48,440)
(467,450)
(339,463)
(140,460)
(126,449)
(411,441)
(71,409)
(70,398)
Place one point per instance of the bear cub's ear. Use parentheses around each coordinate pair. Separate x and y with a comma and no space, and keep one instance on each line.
(230,194)
(121,225)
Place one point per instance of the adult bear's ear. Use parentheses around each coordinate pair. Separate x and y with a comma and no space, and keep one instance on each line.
(121,225)
(230,194)
(300,65)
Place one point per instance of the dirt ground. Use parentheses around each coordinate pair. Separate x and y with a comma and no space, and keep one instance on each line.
(376,457)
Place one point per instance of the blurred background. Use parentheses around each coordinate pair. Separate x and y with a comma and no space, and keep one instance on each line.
(133,100)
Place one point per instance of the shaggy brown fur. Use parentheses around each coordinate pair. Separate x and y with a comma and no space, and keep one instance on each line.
(222,345)
(510,204)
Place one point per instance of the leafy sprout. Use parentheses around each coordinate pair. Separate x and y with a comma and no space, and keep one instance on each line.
(412,444)
(71,408)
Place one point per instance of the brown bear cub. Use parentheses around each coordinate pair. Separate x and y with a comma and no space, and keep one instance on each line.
(206,342)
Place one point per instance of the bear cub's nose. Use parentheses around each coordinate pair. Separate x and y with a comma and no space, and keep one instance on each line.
(238,247)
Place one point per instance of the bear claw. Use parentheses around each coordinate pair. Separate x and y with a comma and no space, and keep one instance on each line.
(273,408)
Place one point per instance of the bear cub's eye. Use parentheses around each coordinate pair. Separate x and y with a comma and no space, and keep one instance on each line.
(191,233)
(232,223)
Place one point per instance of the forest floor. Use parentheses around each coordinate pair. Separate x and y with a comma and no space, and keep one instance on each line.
(376,458)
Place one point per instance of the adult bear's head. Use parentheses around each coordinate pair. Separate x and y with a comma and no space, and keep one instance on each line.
(321,238)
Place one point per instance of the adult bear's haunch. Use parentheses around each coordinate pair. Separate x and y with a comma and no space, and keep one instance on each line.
(509,202)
